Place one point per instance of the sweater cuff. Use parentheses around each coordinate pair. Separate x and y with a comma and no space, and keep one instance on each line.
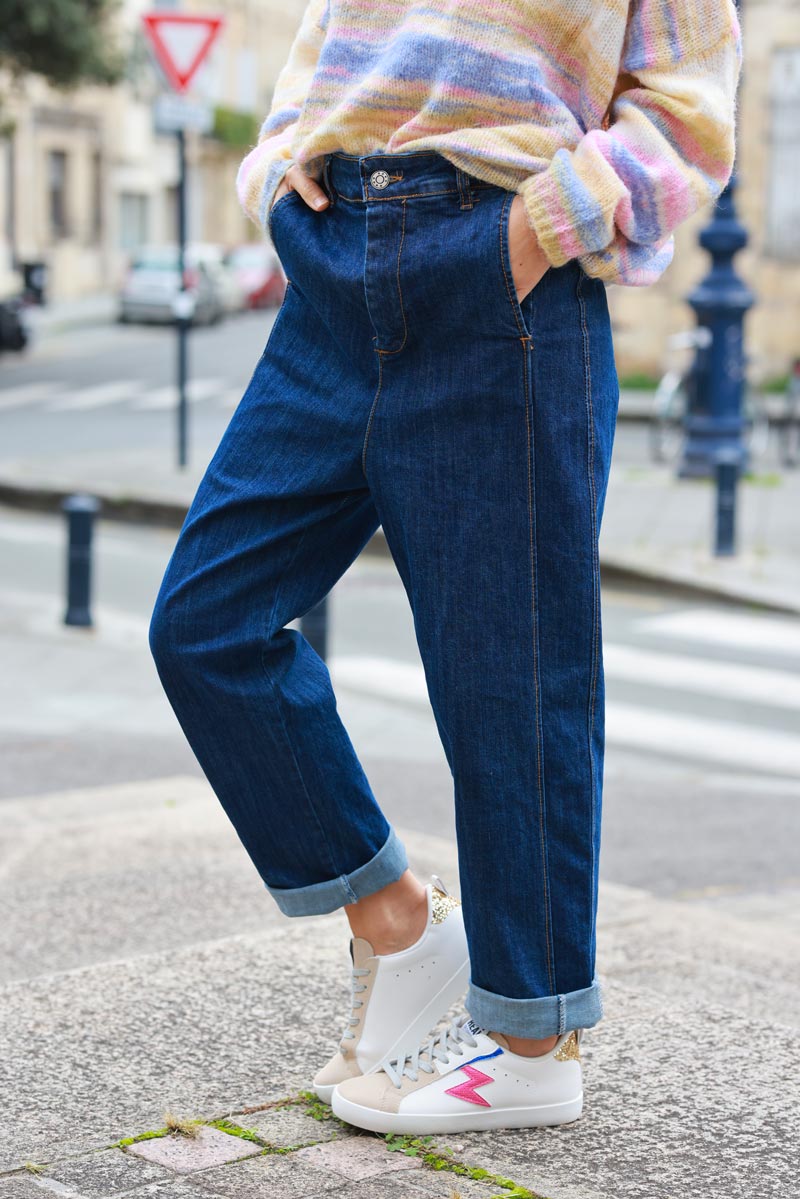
(542,204)
(571,205)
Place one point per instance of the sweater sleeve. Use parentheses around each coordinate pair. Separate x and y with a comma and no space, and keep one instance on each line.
(666,149)
(261,172)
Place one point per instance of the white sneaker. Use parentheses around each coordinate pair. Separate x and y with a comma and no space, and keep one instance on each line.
(465,1079)
(397,998)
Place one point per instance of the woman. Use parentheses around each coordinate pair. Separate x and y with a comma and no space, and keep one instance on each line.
(450,187)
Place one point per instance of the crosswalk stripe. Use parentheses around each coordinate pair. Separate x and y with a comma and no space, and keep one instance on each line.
(231,397)
(26,393)
(95,397)
(713,626)
(167,397)
(727,743)
(703,676)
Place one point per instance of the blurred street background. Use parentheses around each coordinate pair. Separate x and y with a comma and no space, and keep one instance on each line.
(126,897)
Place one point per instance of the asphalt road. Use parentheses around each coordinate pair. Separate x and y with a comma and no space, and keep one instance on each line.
(113,387)
(702,703)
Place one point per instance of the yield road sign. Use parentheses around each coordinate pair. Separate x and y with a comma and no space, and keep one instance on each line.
(181,42)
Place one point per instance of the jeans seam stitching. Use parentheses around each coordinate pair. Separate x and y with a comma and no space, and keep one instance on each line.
(349,892)
(402,346)
(371,416)
(512,294)
(527,373)
(450,191)
(595,563)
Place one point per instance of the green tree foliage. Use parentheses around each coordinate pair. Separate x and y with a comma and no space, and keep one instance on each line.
(66,41)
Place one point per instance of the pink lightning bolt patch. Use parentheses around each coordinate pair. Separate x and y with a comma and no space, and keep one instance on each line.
(466,1090)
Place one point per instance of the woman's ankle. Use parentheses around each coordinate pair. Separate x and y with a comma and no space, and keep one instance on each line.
(531,1047)
(393,918)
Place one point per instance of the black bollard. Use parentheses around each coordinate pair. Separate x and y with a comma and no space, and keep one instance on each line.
(314,627)
(80,511)
(727,466)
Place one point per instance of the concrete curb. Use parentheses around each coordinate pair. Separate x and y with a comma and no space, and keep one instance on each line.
(169,514)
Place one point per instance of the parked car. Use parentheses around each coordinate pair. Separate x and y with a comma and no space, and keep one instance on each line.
(14,327)
(152,284)
(215,259)
(259,274)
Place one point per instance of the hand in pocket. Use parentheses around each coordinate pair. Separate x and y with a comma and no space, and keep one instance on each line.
(310,191)
(528,261)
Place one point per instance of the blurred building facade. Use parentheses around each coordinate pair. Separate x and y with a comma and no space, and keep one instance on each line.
(84,176)
(85,179)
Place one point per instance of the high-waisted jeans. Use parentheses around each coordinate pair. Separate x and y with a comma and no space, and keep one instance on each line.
(403,385)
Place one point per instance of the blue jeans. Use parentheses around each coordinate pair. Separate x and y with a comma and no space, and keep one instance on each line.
(403,384)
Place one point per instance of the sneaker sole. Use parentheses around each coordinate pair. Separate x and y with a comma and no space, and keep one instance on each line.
(410,1124)
(427,1019)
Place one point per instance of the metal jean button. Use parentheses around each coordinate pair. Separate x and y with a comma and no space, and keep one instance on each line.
(379,180)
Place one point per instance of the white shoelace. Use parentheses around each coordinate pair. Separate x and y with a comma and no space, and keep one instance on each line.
(444,1045)
(356,988)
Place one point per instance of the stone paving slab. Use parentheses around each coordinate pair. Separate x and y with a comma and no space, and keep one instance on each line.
(289,1127)
(103,1174)
(183,1154)
(358,1158)
(692,1079)
(21,1186)
(267,1178)
(184,1187)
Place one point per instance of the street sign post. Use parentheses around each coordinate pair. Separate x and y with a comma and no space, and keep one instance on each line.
(181,43)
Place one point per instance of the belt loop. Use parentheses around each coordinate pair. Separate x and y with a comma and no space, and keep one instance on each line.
(464,188)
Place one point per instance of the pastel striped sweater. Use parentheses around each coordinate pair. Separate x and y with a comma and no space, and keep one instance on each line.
(614,119)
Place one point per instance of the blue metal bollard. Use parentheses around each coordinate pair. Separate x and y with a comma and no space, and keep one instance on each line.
(80,511)
(714,419)
(728,467)
(314,627)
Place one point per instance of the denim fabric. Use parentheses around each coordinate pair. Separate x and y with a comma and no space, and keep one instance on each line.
(404,384)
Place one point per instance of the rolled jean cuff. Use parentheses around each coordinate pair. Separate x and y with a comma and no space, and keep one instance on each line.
(536,1018)
(315,900)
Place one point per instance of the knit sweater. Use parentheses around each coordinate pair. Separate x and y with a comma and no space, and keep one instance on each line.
(614,119)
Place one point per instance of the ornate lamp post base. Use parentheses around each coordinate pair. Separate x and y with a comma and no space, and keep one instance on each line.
(715,423)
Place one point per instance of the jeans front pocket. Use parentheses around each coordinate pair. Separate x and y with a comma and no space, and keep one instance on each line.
(504,254)
(276,205)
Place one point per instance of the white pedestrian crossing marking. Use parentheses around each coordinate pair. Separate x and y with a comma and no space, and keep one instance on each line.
(703,676)
(167,397)
(28,393)
(726,743)
(95,397)
(58,396)
(712,626)
(644,727)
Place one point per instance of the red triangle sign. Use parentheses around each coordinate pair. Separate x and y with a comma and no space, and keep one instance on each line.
(181,43)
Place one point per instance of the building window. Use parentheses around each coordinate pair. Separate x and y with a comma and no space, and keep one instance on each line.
(57,192)
(133,220)
(783,204)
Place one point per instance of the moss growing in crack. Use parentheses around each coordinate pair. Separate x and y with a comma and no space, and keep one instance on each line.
(314,1107)
(236,1130)
(153,1135)
(442,1159)
(33,1168)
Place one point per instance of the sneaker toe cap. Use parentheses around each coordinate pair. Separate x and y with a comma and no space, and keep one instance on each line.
(338,1069)
(374,1091)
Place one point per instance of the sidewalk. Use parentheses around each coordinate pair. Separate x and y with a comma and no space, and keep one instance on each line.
(656,527)
(171,984)
(60,315)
